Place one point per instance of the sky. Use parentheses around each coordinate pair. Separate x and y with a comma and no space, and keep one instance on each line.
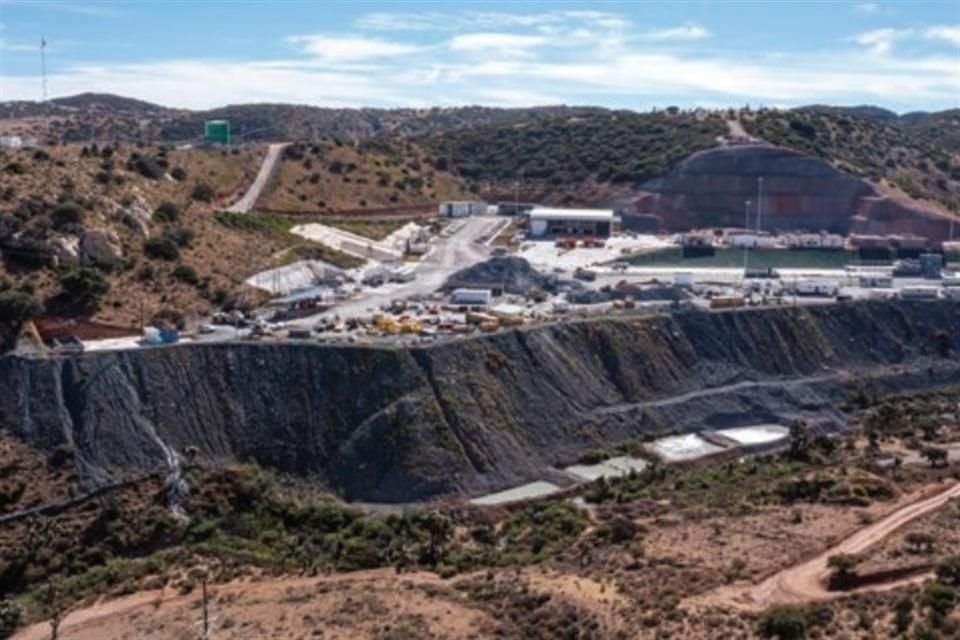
(900,54)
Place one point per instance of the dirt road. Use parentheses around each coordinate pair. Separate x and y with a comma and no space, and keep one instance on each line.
(90,623)
(806,581)
(269,165)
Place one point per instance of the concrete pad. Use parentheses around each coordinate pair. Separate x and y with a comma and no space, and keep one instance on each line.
(112,344)
(536,489)
(683,448)
(761,434)
(612,468)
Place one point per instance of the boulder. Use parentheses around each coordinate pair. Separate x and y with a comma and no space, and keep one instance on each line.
(101,247)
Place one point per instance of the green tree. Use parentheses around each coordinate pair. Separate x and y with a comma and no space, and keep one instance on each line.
(843,565)
(784,622)
(167,212)
(16,307)
(82,288)
(936,456)
(10,616)
(799,439)
(948,571)
(940,598)
(203,192)
(903,614)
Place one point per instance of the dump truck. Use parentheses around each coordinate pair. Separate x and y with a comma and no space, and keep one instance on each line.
(727,302)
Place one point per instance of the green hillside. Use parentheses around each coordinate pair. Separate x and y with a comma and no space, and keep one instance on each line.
(912,162)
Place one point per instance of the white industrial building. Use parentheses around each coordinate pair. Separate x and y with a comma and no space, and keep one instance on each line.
(749,239)
(548,221)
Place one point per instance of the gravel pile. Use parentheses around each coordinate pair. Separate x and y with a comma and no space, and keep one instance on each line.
(509,273)
(633,292)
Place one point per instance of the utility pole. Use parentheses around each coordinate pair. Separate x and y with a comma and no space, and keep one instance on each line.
(516,194)
(746,227)
(43,66)
(759,201)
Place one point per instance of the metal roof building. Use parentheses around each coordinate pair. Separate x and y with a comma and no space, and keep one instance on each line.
(546,221)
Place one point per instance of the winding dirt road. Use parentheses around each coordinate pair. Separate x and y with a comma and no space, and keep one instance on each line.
(806,581)
(269,165)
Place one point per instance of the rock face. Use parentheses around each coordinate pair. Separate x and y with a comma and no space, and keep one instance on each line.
(800,192)
(474,415)
(100,246)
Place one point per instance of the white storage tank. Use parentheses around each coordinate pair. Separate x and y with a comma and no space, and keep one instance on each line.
(920,292)
(472,297)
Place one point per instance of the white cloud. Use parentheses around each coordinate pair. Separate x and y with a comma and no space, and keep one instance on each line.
(349,48)
(500,43)
(436,21)
(944,33)
(89,9)
(19,46)
(880,41)
(573,57)
(866,7)
(685,32)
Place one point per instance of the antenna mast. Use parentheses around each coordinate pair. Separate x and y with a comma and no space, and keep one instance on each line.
(43,65)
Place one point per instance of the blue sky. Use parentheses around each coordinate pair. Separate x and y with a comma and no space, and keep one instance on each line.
(904,54)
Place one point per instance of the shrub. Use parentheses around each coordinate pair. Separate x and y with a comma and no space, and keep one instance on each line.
(940,598)
(67,214)
(202,192)
(83,288)
(147,167)
(618,530)
(167,212)
(948,571)
(186,273)
(16,168)
(162,248)
(183,237)
(179,174)
(784,622)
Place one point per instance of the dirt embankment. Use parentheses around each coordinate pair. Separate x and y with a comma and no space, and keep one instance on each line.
(468,416)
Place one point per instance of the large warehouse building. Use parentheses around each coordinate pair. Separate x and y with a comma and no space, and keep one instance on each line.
(546,221)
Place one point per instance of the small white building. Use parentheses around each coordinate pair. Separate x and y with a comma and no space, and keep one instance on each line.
(462,209)
(11,142)
(546,221)
(813,241)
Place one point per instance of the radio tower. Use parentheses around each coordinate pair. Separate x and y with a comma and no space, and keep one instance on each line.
(43,65)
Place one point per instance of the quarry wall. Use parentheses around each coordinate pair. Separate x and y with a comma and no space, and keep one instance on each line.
(473,415)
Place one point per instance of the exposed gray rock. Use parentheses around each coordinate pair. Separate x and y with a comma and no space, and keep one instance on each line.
(101,247)
(399,424)
(710,188)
